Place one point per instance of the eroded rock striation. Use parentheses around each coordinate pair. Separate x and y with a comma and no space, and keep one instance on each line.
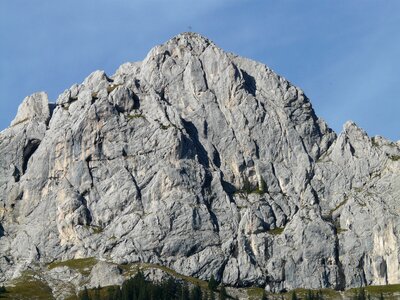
(204,162)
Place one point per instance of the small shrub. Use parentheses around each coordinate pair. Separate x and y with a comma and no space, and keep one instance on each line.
(136,116)
(112,87)
(164,127)
(276,230)
(294,296)
(212,283)
(374,142)
(360,294)
(394,157)
(84,295)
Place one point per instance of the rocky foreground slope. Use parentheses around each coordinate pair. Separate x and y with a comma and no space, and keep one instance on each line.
(206,163)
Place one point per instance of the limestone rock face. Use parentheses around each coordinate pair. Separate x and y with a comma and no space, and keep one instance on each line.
(105,274)
(204,162)
(35,107)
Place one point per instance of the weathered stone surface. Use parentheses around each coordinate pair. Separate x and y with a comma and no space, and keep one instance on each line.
(105,274)
(35,107)
(204,162)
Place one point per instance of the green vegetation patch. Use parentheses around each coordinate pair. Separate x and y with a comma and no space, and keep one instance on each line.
(340,230)
(276,230)
(28,286)
(255,293)
(339,205)
(313,294)
(94,228)
(82,265)
(112,87)
(201,283)
(138,287)
(247,188)
(132,269)
(136,116)
(394,157)
(388,292)
(304,294)
(392,288)
(98,293)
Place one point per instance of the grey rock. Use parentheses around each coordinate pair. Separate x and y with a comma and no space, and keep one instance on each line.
(202,161)
(34,107)
(105,274)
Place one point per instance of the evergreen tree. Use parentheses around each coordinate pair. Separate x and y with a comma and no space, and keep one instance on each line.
(118,294)
(212,295)
(127,289)
(196,293)
(360,294)
(84,294)
(170,289)
(114,293)
(222,293)
(264,296)
(141,293)
(294,296)
(206,295)
(96,294)
(212,284)
(2,290)
(185,295)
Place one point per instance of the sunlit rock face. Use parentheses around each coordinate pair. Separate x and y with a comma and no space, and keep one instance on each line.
(204,162)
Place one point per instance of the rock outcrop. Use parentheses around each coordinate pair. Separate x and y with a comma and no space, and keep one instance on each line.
(204,162)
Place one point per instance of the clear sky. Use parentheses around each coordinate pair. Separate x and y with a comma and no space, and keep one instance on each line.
(345,54)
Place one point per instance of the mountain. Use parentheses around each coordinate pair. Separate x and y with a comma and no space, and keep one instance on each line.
(201,161)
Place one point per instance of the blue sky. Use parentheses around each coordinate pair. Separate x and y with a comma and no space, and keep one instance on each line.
(345,54)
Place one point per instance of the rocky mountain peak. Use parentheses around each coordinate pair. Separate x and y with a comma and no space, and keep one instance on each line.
(201,161)
(191,38)
(190,42)
(34,107)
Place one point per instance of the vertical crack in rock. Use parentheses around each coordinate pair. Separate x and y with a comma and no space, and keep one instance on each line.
(249,83)
(88,160)
(86,213)
(361,266)
(341,278)
(16,174)
(52,107)
(194,136)
(216,158)
(29,149)
(138,190)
